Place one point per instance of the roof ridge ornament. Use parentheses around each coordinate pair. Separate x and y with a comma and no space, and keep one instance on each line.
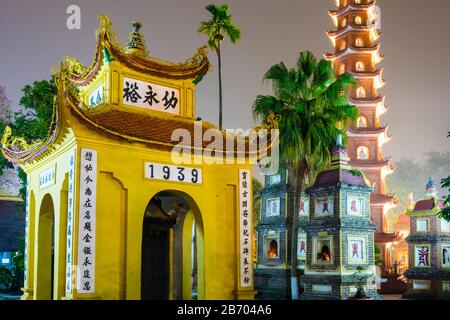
(136,42)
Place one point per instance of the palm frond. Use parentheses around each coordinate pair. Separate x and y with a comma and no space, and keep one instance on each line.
(220,24)
(233,32)
(265,105)
(310,102)
(307,63)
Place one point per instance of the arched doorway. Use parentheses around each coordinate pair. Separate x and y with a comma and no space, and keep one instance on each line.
(44,273)
(172,248)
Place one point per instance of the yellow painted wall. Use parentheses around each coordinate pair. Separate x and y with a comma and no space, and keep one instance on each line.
(122,196)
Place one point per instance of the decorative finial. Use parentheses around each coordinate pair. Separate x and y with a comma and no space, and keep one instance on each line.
(339,144)
(431,188)
(136,42)
(340,155)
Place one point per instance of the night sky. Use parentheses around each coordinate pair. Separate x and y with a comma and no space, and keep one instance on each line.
(34,37)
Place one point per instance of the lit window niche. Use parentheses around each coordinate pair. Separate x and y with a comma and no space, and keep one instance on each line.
(344,23)
(343,45)
(357,250)
(422,256)
(271,245)
(357,1)
(341,69)
(446,256)
(273,207)
(323,247)
(360,67)
(363,153)
(361,92)
(359,43)
(362,122)
(423,225)
(358,20)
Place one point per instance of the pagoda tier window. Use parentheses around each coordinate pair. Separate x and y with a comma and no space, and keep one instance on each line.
(363,153)
(359,43)
(341,69)
(360,66)
(362,122)
(446,256)
(344,23)
(344,3)
(343,45)
(358,20)
(361,92)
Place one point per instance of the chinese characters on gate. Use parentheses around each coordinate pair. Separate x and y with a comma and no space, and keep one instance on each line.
(70,205)
(245,227)
(150,96)
(47,178)
(96,97)
(87,220)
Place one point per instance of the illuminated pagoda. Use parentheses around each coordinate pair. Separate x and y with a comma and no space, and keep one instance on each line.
(357,51)
(429,249)
(340,233)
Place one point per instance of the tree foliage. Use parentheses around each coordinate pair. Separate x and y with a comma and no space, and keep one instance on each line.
(33,120)
(257,188)
(445,213)
(219,26)
(5,119)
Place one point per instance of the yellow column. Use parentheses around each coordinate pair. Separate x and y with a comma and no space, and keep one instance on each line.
(30,244)
(59,287)
(187,255)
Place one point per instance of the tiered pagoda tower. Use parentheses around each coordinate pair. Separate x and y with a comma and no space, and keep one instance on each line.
(357,51)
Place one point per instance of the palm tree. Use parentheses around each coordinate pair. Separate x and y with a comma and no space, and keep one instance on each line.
(219,26)
(310,104)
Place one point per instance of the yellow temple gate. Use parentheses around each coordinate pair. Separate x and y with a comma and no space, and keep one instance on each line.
(109,214)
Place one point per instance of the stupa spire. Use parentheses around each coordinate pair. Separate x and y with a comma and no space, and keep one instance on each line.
(136,42)
(339,155)
(431,190)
